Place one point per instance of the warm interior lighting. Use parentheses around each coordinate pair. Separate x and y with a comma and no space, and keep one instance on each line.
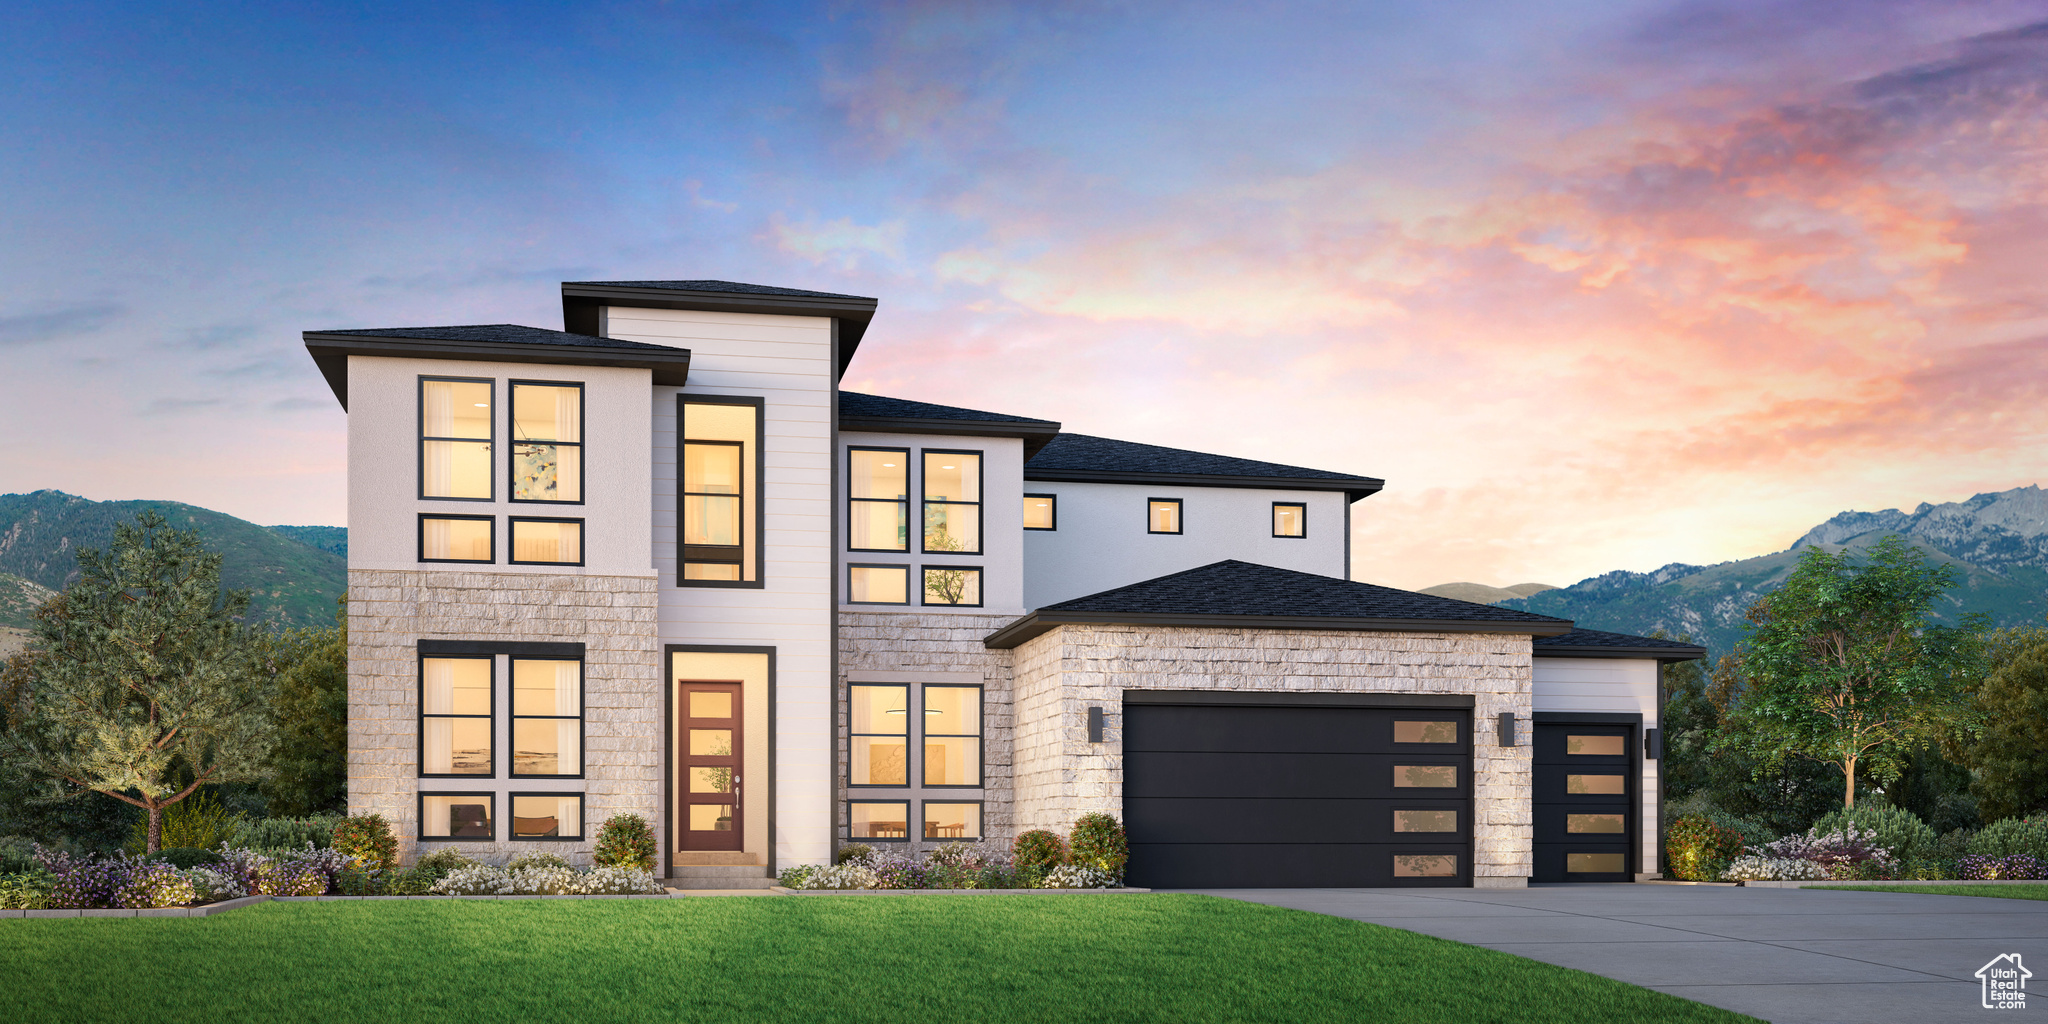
(483,405)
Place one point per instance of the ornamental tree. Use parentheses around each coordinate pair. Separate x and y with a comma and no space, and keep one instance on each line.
(147,685)
(1843,665)
(2008,760)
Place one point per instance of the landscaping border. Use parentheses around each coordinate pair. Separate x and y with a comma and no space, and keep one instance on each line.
(1866,883)
(223,906)
(785,891)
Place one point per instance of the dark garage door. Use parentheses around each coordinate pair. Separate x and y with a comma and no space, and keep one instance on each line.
(1219,796)
(1585,801)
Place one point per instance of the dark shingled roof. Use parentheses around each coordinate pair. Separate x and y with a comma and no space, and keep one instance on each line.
(1593,643)
(855,404)
(1242,594)
(1083,457)
(512,334)
(724,287)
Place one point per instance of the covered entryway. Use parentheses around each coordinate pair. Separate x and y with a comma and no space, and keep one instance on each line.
(1588,770)
(1297,790)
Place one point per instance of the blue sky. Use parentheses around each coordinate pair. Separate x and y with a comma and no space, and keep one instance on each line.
(1592,285)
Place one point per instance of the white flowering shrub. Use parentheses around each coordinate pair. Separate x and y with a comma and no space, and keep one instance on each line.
(851,875)
(211,885)
(612,880)
(480,880)
(1755,868)
(536,860)
(544,880)
(1077,876)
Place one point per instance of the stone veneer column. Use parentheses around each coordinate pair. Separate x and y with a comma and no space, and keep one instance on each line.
(1059,775)
(390,611)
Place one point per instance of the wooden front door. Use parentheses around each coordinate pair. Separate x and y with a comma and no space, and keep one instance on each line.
(709,743)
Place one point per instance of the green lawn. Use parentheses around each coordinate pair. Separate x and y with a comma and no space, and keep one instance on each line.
(786,958)
(2023,891)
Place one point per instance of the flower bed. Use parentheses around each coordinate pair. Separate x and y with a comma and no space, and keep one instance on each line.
(1038,860)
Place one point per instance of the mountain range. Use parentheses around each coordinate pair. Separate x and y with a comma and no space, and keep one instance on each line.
(293,574)
(1997,542)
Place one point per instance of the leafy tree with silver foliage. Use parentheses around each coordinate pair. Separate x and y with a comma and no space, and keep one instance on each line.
(148,686)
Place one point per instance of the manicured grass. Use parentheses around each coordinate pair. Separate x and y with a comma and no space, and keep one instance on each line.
(2023,891)
(786,958)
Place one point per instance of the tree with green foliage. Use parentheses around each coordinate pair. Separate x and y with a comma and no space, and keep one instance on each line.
(2008,758)
(308,770)
(1844,666)
(148,685)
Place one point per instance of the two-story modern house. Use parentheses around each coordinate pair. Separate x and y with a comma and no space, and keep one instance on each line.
(659,563)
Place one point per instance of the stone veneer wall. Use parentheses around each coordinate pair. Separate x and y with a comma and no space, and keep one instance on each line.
(1060,674)
(389,611)
(910,643)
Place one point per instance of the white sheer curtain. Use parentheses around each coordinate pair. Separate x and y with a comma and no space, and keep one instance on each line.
(569,731)
(438,743)
(437,419)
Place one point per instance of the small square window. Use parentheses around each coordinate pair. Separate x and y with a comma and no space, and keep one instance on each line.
(948,585)
(878,584)
(950,821)
(1290,519)
(458,539)
(547,541)
(1162,515)
(539,817)
(458,816)
(879,819)
(1041,512)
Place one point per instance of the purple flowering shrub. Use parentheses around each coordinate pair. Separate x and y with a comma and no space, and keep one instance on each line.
(85,882)
(896,871)
(310,872)
(1983,867)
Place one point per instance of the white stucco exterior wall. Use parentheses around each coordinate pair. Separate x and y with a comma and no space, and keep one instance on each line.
(788,362)
(1002,522)
(1611,685)
(1102,543)
(384,465)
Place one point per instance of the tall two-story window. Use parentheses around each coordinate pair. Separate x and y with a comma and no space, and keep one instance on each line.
(878,499)
(455,438)
(952,502)
(547,442)
(455,716)
(719,491)
(547,717)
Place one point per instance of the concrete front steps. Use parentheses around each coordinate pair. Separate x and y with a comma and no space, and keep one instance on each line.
(718,870)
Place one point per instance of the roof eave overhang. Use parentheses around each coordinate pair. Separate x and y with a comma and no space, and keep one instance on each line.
(580,303)
(1354,489)
(330,353)
(1039,623)
(1662,654)
(1035,434)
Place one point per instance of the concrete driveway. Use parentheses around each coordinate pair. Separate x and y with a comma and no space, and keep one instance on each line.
(1790,956)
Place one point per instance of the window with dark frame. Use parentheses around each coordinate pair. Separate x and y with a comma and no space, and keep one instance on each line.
(547,717)
(952,734)
(718,484)
(538,541)
(546,817)
(1041,511)
(458,538)
(883,820)
(1290,519)
(951,511)
(547,442)
(877,584)
(878,730)
(951,820)
(878,499)
(456,433)
(959,586)
(1162,515)
(455,817)
(457,719)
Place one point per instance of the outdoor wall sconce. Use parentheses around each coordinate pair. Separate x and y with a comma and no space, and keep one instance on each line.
(1507,728)
(1653,744)
(1094,725)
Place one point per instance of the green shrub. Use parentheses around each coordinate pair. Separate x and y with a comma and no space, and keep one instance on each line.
(536,859)
(853,851)
(196,822)
(1098,842)
(1698,850)
(1038,852)
(366,840)
(625,841)
(2010,836)
(26,890)
(285,833)
(1899,831)
(186,857)
(355,881)
(793,877)
(17,854)
(415,881)
(445,860)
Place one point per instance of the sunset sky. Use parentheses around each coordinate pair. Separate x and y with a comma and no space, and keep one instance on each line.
(1593,286)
